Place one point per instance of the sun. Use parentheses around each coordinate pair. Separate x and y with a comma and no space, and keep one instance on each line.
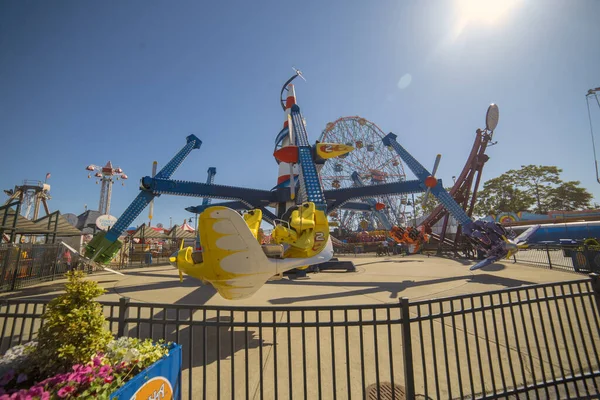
(484,11)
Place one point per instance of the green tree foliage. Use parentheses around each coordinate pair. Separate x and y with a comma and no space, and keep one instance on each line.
(535,188)
(501,195)
(432,203)
(537,181)
(569,196)
(74,327)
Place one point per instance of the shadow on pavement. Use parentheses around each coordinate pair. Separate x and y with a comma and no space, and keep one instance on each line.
(394,288)
(204,340)
(494,267)
(45,291)
(387,261)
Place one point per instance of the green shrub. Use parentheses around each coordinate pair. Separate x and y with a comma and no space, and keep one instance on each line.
(74,327)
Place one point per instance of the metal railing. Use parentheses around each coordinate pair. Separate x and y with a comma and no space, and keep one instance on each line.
(27,264)
(539,340)
(535,341)
(582,258)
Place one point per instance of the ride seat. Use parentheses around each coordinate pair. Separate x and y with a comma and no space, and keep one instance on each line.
(303,218)
(281,234)
(273,250)
(253,219)
(197,257)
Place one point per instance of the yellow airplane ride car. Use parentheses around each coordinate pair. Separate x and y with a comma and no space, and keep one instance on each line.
(237,265)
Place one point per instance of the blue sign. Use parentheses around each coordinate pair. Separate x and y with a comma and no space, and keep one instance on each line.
(161,380)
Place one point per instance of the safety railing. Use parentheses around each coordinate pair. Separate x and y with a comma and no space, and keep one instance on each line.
(27,264)
(584,259)
(539,340)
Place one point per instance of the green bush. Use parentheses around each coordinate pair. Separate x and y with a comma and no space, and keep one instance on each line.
(74,327)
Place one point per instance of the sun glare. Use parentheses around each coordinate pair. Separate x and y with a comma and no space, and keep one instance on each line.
(485,11)
(479,12)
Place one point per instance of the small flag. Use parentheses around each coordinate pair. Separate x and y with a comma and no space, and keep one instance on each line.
(48,175)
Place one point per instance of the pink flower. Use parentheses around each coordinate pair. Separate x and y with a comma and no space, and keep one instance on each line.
(77,367)
(108,379)
(45,396)
(36,391)
(106,369)
(65,391)
(97,361)
(86,370)
(21,395)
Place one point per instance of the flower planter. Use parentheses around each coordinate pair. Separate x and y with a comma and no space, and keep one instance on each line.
(161,380)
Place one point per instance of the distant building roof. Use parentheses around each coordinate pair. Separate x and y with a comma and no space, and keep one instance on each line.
(53,223)
(178,232)
(86,221)
(58,223)
(148,233)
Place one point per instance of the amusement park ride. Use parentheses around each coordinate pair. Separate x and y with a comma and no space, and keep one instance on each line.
(31,194)
(233,260)
(106,175)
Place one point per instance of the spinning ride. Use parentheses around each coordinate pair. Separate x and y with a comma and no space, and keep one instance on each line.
(106,175)
(371,163)
(232,258)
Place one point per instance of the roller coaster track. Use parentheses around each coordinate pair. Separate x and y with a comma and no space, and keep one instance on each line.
(464,191)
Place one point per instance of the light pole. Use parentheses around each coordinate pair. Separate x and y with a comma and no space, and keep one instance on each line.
(593,93)
(414,211)
(197,231)
(170,222)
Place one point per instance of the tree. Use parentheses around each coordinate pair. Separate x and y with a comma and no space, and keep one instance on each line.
(536,188)
(501,195)
(74,327)
(432,203)
(569,196)
(537,181)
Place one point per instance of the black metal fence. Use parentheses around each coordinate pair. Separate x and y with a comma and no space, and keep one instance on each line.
(582,258)
(28,264)
(539,341)
(144,255)
(533,341)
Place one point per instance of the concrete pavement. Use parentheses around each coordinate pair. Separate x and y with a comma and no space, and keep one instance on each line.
(329,357)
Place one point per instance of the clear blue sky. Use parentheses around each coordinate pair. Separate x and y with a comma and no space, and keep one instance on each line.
(84,82)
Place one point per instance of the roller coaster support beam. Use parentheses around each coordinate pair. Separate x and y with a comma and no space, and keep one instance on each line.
(383,219)
(104,246)
(490,238)
(212,171)
(438,190)
(338,198)
(268,216)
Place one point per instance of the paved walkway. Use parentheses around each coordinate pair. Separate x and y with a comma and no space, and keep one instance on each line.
(353,357)
(377,280)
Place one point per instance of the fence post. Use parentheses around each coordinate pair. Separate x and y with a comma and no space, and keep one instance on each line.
(589,260)
(596,288)
(409,373)
(548,254)
(16,273)
(57,260)
(123,315)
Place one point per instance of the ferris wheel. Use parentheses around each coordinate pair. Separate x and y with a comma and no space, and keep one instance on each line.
(371,163)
